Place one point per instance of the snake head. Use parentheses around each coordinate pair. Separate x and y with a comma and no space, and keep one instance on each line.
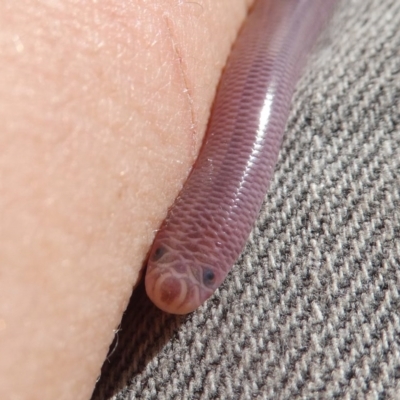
(177,282)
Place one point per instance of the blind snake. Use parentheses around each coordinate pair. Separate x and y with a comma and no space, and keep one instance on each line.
(210,221)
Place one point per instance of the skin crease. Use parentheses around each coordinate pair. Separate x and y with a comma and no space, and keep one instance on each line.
(103,106)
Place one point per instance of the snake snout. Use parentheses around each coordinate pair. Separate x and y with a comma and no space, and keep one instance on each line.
(170,293)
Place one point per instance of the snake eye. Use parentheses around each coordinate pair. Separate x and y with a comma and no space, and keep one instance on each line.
(158,253)
(208,277)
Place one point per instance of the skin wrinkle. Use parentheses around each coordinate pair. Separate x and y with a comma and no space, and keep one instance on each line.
(181,66)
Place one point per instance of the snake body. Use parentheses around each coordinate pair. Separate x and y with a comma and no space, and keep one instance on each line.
(210,221)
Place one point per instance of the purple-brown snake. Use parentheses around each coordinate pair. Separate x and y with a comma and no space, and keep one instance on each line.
(210,221)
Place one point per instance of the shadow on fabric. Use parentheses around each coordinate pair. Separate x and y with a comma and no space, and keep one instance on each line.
(143,332)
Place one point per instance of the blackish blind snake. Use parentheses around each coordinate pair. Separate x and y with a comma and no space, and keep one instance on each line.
(210,221)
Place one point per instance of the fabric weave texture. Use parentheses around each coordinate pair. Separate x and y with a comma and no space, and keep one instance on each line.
(312,308)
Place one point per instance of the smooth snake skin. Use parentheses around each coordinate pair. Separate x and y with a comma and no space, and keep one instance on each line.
(210,221)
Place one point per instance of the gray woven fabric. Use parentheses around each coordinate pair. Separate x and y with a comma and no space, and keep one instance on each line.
(312,308)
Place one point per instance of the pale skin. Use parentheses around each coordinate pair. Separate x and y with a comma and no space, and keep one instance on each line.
(103,108)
